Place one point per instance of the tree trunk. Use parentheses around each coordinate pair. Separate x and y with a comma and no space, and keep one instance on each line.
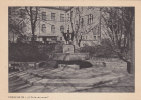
(13,37)
(33,33)
(130,63)
(130,67)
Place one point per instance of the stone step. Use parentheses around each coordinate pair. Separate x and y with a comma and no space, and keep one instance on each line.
(75,82)
(18,83)
(64,84)
(62,80)
(13,82)
(71,76)
(12,74)
(58,73)
(20,87)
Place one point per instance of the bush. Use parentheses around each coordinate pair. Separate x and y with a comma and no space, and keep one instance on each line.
(81,63)
(28,52)
(103,50)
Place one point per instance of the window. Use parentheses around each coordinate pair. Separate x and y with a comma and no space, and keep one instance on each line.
(43,28)
(54,38)
(68,16)
(82,22)
(83,44)
(60,38)
(22,13)
(62,28)
(34,14)
(43,15)
(62,17)
(77,10)
(77,25)
(99,38)
(71,14)
(83,37)
(96,30)
(52,16)
(52,29)
(86,37)
(90,19)
(94,37)
(81,9)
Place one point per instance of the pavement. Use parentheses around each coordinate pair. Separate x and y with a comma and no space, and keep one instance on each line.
(93,79)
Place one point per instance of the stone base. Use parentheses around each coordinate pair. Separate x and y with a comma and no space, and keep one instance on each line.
(71,57)
(73,67)
(68,67)
(68,48)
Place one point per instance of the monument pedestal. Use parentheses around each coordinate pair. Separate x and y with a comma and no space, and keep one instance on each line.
(69,54)
(67,48)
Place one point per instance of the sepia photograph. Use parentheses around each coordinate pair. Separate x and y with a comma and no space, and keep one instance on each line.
(71,49)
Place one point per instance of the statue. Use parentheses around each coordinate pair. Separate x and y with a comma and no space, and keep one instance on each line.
(68,36)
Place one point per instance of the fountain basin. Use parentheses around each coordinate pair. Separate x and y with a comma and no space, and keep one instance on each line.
(71,56)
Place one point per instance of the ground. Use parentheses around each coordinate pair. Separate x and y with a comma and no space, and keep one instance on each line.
(111,77)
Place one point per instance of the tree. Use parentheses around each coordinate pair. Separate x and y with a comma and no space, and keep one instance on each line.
(15,22)
(78,23)
(75,31)
(33,15)
(119,25)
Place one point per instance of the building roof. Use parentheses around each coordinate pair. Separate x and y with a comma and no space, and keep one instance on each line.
(64,8)
(48,35)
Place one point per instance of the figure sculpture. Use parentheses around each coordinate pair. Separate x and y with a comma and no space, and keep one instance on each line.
(68,36)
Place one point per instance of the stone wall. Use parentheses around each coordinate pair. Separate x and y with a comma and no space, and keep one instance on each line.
(21,66)
(68,48)
(71,57)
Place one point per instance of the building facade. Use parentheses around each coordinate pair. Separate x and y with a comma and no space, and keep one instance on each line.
(50,25)
(86,23)
(52,21)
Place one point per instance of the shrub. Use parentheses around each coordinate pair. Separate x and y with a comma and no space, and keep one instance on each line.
(103,50)
(28,52)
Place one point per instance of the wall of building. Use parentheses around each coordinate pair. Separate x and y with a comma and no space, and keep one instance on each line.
(90,30)
(48,22)
(89,27)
